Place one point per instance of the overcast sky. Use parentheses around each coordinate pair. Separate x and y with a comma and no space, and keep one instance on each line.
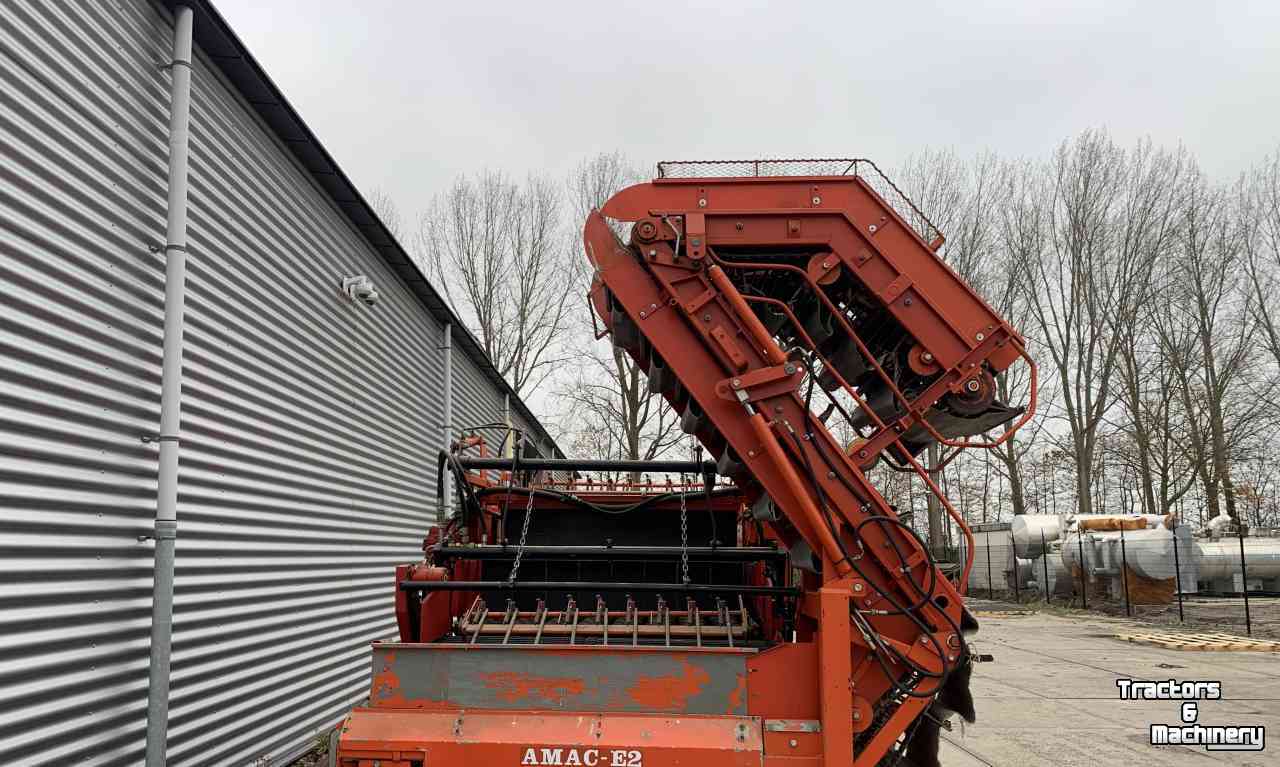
(406,95)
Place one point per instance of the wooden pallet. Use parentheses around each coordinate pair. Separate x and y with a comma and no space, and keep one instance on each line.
(1204,642)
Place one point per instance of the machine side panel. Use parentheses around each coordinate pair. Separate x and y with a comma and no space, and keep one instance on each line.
(549,739)
(582,678)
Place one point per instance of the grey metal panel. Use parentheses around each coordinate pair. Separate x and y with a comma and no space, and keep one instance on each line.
(81,193)
(244,74)
(309,424)
(475,401)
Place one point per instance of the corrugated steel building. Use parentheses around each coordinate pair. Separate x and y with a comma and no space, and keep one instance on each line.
(310,423)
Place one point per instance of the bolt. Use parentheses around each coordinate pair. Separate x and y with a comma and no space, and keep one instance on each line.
(951,658)
(643,315)
(927,357)
(702,203)
(857,716)
(831,475)
(980,337)
(738,226)
(653,253)
(695,242)
(872,228)
(751,454)
(826,264)
(737,382)
(817,200)
(706,318)
(789,369)
(953,640)
(973,386)
(653,306)
(862,453)
(857,587)
(793,743)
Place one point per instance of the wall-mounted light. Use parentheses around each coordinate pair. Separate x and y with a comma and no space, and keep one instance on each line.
(360,289)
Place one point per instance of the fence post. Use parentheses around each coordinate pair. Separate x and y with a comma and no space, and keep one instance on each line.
(1084,582)
(1124,571)
(1244,580)
(1013,554)
(1177,571)
(991,585)
(1044,555)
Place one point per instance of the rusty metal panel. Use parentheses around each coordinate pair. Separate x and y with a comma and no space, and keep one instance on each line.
(623,679)
(309,424)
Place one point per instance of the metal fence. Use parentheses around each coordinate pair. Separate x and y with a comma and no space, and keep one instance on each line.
(1146,568)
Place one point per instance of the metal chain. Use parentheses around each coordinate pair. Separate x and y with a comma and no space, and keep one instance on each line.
(524,536)
(684,531)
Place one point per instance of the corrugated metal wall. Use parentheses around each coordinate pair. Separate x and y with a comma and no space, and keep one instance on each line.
(475,402)
(309,424)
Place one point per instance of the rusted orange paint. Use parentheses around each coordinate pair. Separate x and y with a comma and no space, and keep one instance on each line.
(514,687)
(737,698)
(670,691)
(385,687)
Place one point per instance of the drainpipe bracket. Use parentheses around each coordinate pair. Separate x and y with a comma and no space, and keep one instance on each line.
(165,66)
(165,529)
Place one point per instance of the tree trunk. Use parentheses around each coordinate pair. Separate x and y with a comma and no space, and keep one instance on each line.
(936,543)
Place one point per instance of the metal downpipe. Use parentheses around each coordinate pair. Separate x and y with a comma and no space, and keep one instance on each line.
(446,492)
(166,522)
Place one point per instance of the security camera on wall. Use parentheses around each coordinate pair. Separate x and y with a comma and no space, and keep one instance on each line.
(360,290)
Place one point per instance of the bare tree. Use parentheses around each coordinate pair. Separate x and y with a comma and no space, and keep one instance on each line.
(1205,286)
(1109,213)
(500,252)
(1155,428)
(613,414)
(1261,241)
(388,212)
(1022,218)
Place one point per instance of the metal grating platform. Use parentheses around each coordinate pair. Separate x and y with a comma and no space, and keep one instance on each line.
(862,168)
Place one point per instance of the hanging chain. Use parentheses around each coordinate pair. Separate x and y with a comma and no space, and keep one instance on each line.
(684,531)
(524,536)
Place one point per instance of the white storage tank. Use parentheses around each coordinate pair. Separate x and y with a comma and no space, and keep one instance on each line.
(1219,559)
(1032,533)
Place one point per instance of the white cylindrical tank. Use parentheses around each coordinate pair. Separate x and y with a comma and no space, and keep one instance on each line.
(1059,582)
(1032,533)
(1220,559)
(1149,554)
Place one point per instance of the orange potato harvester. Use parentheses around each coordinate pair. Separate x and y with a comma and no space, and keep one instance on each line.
(765,605)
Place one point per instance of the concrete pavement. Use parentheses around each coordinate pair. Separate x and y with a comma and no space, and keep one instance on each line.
(1050,697)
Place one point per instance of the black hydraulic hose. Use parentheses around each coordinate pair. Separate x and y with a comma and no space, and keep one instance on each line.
(708,480)
(465,491)
(898,608)
(506,501)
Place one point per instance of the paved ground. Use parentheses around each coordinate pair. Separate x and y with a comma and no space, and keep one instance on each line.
(1050,697)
